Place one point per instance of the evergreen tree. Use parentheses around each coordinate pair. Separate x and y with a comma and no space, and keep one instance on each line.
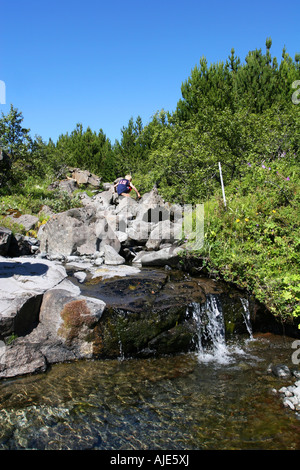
(129,151)
(87,150)
(16,142)
(14,138)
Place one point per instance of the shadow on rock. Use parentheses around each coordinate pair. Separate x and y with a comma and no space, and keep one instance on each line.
(9,269)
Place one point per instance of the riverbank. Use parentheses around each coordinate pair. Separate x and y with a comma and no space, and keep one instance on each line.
(253,242)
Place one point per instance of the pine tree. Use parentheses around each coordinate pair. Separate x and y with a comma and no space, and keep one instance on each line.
(16,141)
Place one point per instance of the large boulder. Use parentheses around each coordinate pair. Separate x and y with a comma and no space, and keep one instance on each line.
(70,232)
(64,333)
(68,186)
(82,231)
(71,320)
(152,208)
(21,358)
(152,198)
(149,316)
(128,206)
(23,283)
(46,311)
(103,199)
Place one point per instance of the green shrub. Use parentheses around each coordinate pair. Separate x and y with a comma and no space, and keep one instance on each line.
(255,241)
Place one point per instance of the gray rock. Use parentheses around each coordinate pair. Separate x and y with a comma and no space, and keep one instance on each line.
(165,256)
(80,276)
(111,256)
(116,222)
(69,186)
(152,198)
(70,232)
(152,208)
(128,206)
(26,220)
(5,239)
(45,211)
(23,282)
(104,199)
(20,359)
(139,231)
(69,317)
(107,272)
(106,236)
(164,232)
(153,214)
(99,261)
(288,403)
(65,333)
(85,177)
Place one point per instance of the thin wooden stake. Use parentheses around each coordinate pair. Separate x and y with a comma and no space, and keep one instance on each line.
(223,190)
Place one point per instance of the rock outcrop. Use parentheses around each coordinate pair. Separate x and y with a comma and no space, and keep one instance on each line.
(122,229)
(52,320)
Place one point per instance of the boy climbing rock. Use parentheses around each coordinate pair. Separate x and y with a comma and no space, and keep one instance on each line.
(124,186)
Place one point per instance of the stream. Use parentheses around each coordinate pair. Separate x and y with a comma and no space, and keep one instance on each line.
(219,397)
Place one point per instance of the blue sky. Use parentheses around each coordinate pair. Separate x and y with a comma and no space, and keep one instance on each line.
(100,63)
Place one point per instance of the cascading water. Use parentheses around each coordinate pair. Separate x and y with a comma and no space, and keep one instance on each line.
(246,315)
(210,330)
(209,321)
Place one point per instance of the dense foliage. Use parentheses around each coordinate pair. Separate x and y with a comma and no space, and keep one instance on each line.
(239,114)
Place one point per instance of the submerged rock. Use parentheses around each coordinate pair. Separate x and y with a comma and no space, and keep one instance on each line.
(281,370)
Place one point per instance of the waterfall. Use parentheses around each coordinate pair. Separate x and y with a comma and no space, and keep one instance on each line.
(246,315)
(210,326)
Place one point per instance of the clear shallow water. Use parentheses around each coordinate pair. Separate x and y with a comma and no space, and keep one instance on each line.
(220,400)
